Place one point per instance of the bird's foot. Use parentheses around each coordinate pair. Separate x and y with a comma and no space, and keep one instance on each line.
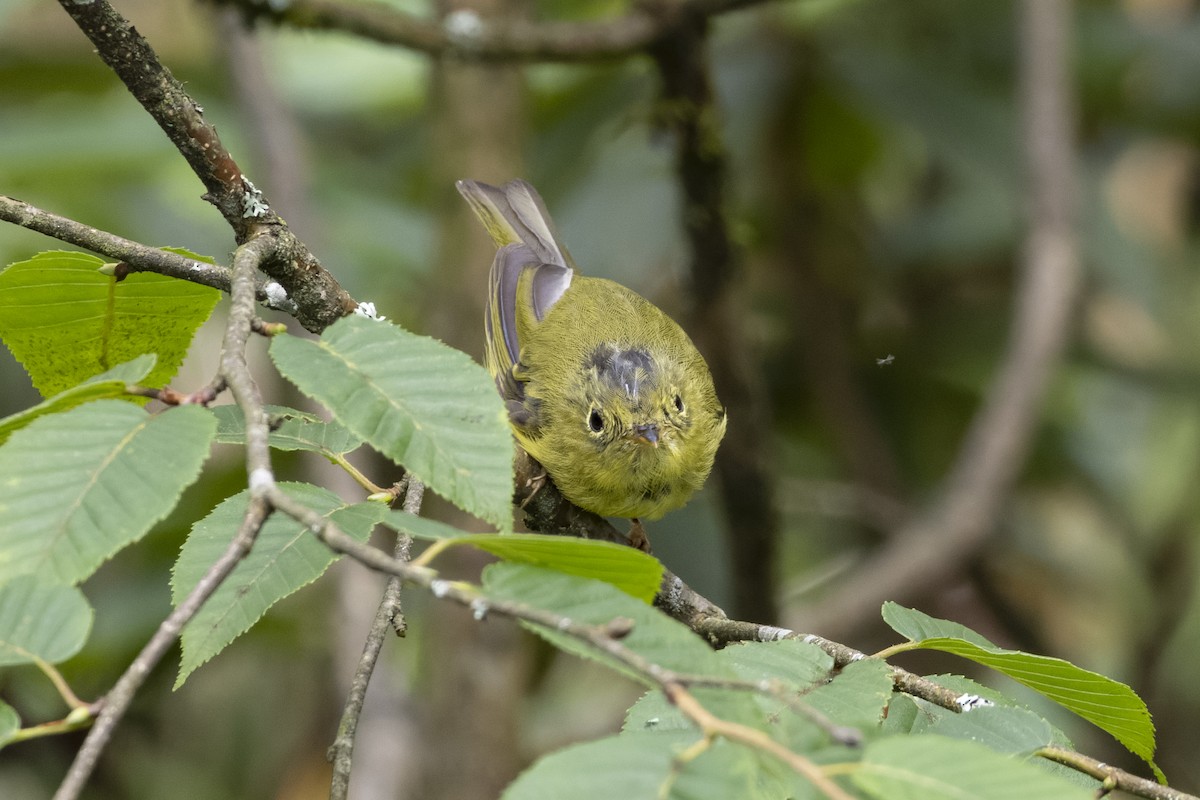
(534,484)
(637,536)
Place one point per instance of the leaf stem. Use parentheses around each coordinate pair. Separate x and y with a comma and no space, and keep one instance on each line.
(82,717)
(895,649)
(353,471)
(60,684)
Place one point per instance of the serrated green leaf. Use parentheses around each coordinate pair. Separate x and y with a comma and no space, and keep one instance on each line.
(654,712)
(422,528)
(857,696)
(798,663)
(631,571)
(938,768)
(424,405)
(10,723)
(47,622)
(655,636)
(108,384)
(902,715)
(639,766)
(797,668)
(78,486)
(1108,704)
(290,430)
(285,557)
(1005,730)
(65,321)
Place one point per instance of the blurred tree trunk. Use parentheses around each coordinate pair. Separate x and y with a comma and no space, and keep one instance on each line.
(475,673)
(819,259)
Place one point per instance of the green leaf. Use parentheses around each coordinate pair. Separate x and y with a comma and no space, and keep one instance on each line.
(798,663)
(654,636)
(1005,730)
(426,406)
(857,696)
(78,486)
(903,715)
(10,723)
(290,430)
(639,766)
(65,321)
(938,768)
(109,384)
(631,571)
(46,622)
(799,668)
(1112,706)
(285,557)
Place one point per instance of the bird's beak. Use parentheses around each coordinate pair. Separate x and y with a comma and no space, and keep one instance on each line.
(646,433)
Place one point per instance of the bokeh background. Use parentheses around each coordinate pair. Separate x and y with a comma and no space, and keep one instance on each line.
(875,198)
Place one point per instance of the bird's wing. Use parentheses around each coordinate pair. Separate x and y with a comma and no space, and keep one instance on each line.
(521,292)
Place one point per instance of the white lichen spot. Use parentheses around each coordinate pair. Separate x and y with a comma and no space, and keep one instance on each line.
(261,479)
(769,633)
(463,27)
(276,295)
(479,608)
(253,204)
(968,702)
(368,310)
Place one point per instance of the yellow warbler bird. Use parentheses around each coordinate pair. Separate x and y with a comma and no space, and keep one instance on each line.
(605,390)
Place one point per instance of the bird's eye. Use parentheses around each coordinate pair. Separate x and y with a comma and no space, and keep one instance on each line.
(679,404)
(595,421)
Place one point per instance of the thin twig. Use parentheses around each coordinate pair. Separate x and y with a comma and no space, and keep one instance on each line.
(1110,776)
(470,37)
(245,392)
(388,616)
(598,637)
(136,257)
(319,299)
(711,725)
(943,537)
(604,641)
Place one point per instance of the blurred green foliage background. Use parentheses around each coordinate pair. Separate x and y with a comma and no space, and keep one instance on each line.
(876,202)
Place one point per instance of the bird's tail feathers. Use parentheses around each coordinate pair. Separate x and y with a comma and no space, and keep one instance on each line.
(514,213)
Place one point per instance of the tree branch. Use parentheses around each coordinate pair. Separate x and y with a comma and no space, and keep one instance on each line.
(468,36)
(136,256)
(1111,777)
(942,538)
(318,297)
(606,639)
(236,372)
(387,617)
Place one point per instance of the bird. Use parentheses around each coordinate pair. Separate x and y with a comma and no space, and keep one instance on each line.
(601,387)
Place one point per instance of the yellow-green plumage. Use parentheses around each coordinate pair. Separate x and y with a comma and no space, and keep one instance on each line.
(605,390)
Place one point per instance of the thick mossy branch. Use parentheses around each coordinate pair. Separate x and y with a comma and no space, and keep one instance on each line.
(319,299)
